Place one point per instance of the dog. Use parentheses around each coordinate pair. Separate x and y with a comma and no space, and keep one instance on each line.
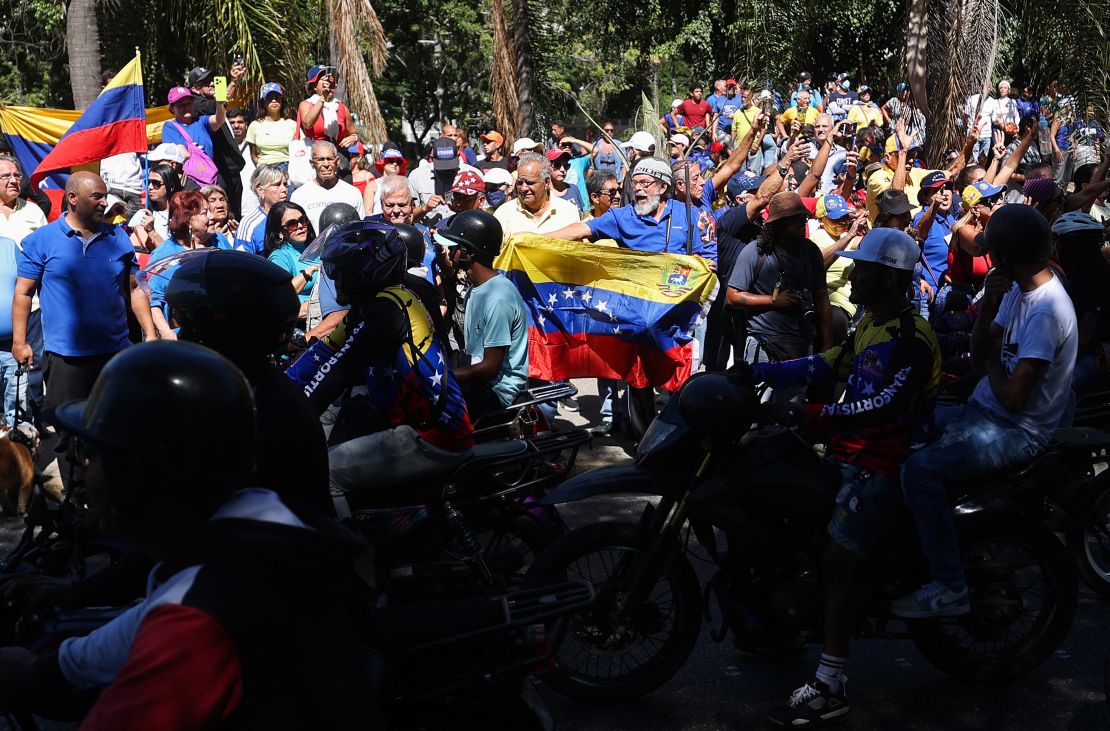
(18,476)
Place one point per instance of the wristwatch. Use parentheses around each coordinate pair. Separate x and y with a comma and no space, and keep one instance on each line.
(784,171)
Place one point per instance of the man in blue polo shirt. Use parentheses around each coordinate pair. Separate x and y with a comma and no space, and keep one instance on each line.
(83,269)
(654,222)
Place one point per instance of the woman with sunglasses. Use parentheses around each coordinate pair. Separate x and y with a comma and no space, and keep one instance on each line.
(968,261)
(191,226)
(288,232)
(269,135)
(605,156)
(154,228)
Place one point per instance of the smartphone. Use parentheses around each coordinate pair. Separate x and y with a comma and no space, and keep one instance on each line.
(220,82)
(237,58)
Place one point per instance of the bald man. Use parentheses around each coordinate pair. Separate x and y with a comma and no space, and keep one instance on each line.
(84,270)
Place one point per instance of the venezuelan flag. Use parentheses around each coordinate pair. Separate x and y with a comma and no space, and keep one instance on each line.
(605,312)
(50,141)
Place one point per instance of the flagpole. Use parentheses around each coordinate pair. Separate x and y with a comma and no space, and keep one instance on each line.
(146,162)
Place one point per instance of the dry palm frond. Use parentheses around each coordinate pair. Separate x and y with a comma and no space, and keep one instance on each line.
(347,18)
(503,82)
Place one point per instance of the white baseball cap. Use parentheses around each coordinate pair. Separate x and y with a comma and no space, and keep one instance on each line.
(680,138)
(498,176)
(676,103)
(525,144)
(642,141)
(167,151)
(887,246)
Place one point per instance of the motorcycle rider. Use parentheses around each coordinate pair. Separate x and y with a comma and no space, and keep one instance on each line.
(387,343)
(892,367)
(1025,340)
(245,621)
(496,323)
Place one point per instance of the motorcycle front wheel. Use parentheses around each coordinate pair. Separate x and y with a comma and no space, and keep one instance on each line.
(1091,545)
(1024,594)
(612,652)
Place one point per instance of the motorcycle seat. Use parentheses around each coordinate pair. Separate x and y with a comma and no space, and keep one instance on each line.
(1079,441)
(490,453)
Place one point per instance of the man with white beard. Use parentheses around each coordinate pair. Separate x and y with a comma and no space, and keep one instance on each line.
(654,221)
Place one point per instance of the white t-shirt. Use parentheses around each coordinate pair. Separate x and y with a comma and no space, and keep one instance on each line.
(314,199)
(983,129)
(1039,325)
(122,172)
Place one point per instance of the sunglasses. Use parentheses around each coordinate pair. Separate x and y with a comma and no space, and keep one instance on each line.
(295,223)
(990,202)
(156,184)
(614,193)
(609,131)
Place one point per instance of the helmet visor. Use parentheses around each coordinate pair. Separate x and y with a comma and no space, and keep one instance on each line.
(339,241)
(159,273)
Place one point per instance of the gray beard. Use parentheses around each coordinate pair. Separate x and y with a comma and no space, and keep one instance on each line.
(648,207)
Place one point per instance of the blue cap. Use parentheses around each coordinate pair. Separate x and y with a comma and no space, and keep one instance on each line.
(976,192)
(743,183)
(270,87)
(832,206)
(902,86)
(313,74)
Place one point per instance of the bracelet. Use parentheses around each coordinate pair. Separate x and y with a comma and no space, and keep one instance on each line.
(304,275)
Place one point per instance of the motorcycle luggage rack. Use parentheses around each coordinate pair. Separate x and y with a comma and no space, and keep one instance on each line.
(501,424)
(527,472)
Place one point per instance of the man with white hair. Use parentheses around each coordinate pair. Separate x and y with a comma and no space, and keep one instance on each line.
(315,195)
(535,209)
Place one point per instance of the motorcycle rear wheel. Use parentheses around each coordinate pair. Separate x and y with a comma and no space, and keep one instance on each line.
(606,654)
(1011,566)
(1092,548)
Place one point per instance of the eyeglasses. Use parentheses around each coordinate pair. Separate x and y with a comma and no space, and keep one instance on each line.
(644,183)
(11,176)
(295,223)
(325,160)
(608,130)
(560,164)
(156,184)
(990,202)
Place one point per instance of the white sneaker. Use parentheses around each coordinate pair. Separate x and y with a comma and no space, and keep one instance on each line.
(932,600)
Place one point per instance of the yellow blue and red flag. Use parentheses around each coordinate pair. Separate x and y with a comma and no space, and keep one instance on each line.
(50,141)
(604,312)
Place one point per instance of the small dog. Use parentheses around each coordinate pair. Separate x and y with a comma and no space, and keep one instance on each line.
(17,467)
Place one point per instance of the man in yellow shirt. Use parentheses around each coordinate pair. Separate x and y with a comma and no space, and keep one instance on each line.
(900,152)
(865,112)
(837,231)
(803,113)
(742,120)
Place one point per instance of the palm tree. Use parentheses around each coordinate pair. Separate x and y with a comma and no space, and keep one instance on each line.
(523,65)
(83,46)
(505,103)
(347,18)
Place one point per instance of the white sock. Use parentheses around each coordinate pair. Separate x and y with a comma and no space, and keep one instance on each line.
(830,670)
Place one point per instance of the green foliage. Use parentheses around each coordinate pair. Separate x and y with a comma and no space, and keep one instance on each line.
(32,72)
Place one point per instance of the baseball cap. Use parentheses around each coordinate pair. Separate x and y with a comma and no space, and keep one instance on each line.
(743,183)
(676,103)
(314,73)
(445,155)
(468,182)
(680,138)
(864,89)
(198,75)
(525,144)
(932,181)
(902,86)
(832,206)
(805,76)
(887,246)
(176,94)
(730,82)
(492,136)
(356,149)
(270,87)
(168,152)
(1040,190)
(113,201)
(642,141)
(654,167)
(498,176)
(976,192)
(891,144)
(894,202)
(555,153)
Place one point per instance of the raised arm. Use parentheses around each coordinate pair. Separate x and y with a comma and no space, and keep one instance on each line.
(732,165)
(1011,165)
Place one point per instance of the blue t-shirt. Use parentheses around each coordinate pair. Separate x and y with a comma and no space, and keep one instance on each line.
(198,130)
(667,235)
(495,317)
(251,234)
(83,287)
(728,107)
(8,263)
(936,246)
(577,174)
(288,257)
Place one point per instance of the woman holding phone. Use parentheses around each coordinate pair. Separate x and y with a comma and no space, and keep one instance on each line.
(321,115)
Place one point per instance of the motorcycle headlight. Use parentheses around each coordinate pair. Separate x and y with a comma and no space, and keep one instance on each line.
(655,435)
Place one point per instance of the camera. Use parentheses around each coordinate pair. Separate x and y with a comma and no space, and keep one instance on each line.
(805,305)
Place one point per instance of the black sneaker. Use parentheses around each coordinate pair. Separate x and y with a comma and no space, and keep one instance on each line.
(812,705)
(570,403)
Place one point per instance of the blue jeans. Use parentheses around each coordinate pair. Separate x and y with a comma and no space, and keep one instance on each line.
(609,390)
(982,147)
(974,444)
(11,396)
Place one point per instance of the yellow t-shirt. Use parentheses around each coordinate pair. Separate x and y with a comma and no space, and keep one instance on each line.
(809,117)
(271,139)
(865,115)
(742,122)
(836,276)
(881,180)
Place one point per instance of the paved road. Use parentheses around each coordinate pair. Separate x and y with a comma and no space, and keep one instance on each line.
(892,686)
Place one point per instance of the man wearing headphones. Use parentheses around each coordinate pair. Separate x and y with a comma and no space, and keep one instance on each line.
(496,323)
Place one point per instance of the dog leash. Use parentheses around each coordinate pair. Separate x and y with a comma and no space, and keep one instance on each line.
(21,415)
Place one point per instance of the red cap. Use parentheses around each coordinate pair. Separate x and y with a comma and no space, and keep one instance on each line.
(730,82)
(555,153)
(468,182)
(716,146)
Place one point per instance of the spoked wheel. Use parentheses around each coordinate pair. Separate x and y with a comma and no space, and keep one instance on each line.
(510,547)
(612,651)
(1092,548)
(1023,600)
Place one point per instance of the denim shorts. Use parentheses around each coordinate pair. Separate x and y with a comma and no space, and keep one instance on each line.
(865,505)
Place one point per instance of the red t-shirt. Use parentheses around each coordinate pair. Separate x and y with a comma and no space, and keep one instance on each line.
(695,112)
(967,270)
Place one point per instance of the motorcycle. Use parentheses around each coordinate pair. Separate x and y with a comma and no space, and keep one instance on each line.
(768,493)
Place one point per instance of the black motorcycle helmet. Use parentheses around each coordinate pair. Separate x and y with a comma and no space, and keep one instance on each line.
(182,409)
(338,214)
(477,232)
(414,244)
(362,258)
(1017,233)
(236,303)
(716,406)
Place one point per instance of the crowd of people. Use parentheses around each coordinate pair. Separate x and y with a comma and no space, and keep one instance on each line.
(842,255)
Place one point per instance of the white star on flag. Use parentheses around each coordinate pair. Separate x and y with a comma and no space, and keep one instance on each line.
(602,305)
(437,378)
(617,330)
(568,293)
(540,320)
(440,356)
(586,297)
(370,370)
(552,298)
(316,357)
(867,389)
